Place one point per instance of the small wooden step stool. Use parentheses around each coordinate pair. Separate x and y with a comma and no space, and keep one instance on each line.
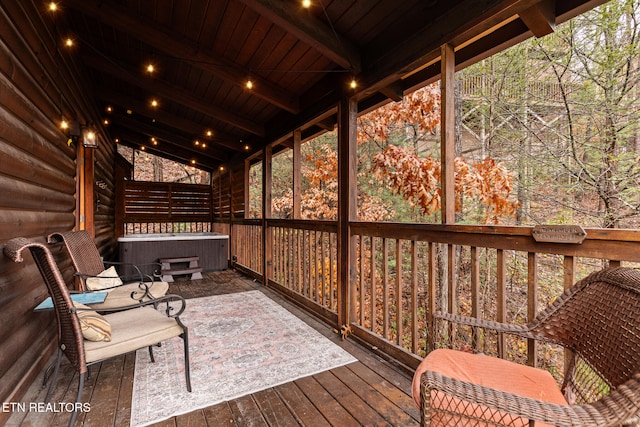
(168,272)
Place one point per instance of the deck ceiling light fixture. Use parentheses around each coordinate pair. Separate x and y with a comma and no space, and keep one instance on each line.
(89,138)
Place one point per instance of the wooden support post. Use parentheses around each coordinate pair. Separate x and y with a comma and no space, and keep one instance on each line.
(347,205)
(267,240)
(448,134)
(246,191)
(447,154)
(86,174)
(297,173)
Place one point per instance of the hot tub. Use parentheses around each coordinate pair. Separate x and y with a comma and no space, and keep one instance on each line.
(139,249)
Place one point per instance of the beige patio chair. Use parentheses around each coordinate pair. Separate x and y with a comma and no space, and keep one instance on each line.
(86,337)
(94,273)
(598,320)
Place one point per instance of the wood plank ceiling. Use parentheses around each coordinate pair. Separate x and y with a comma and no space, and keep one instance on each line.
(300,60)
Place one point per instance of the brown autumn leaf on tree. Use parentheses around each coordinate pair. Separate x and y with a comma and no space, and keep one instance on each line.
(417,179)
(320,199)
(418,111)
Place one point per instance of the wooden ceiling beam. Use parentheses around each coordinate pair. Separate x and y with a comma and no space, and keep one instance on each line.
(135,141)
(393,91)
(185,126)
(167,136)
(459,24)
(540,18)
(173,93)
(309,30)
(158,37)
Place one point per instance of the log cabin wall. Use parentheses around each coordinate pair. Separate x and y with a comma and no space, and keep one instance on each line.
(38,182)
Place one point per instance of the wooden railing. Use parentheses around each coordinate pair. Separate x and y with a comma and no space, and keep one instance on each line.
(304,260)
(487,87)
(246,246)
(405,272)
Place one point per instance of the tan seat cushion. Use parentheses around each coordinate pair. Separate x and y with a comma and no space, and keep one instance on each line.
(131,330)
(489,372)
(94,326)
(121,296)
(106,279)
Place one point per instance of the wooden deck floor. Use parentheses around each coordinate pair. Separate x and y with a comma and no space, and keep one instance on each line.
(369,392)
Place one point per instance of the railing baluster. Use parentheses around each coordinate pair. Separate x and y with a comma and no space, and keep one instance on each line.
(361,277)
(385,288)
(372,268)
(432,294)
(475,295)
(399,296)
(414,297)
(501,298)
(532,304)
(323,257)
(316,276)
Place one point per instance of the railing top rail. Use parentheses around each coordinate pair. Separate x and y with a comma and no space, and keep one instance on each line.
(612,244)
(305,224)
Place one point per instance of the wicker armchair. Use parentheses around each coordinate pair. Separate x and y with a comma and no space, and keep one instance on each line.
(89,265)
(598,319)
(130,328)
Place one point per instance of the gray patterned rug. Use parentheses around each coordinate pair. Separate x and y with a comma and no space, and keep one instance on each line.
(239,344)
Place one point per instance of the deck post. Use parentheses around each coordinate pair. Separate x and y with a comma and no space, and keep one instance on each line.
(447,164)
(297,173)
(267,241)
(347,208)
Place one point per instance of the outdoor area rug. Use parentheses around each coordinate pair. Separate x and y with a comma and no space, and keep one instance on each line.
(239,344)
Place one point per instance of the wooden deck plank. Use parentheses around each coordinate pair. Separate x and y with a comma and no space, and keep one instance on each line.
(300,405)
(392,413)
(192,419)
(36,393)
(357,407)
(273,409)
(219,415)
(329,407)
(123,416)
(391,392)
(106,391)
(247,413)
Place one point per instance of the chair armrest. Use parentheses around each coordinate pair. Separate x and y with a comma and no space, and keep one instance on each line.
(175,305)
(621,405)
(521,330)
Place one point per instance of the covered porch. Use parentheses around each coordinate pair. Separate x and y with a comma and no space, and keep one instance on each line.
(310,72)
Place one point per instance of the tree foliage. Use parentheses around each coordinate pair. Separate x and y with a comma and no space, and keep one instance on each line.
(571,134)
(417,179)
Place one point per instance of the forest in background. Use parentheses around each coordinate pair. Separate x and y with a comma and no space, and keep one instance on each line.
(547,133)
